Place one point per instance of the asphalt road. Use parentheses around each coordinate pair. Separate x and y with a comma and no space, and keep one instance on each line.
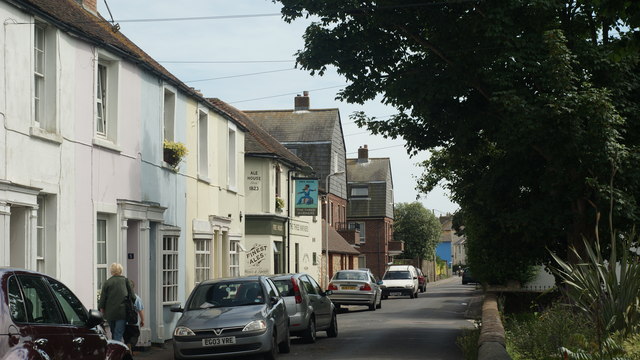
(422,328)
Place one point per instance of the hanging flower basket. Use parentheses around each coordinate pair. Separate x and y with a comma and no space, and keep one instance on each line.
(279,203)
(174,152)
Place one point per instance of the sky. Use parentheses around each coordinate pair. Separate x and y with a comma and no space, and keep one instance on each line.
(242,52)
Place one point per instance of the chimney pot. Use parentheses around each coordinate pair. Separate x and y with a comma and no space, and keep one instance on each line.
(363,154)
(302,102)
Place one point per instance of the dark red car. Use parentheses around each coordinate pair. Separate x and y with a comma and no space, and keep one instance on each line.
(40,318)
(422,281)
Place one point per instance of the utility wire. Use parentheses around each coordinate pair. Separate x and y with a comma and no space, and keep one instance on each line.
(287,94)
(381,148)
(225,61)
(239,75)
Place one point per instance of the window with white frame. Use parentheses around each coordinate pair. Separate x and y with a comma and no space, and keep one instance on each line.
(106,126)
(38,70)
(44,79)
(101,252)
(203,259)
(231,170)
(359,191)
(101,100)
(169,269)
(41,236)
(234,258)
(169,114)
(203,143)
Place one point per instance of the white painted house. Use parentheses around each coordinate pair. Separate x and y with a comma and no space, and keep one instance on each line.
(83,114)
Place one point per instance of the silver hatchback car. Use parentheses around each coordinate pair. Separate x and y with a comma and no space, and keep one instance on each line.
(232,316)
(355,287)
(309,308)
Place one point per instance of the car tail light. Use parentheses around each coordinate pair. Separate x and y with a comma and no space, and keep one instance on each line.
(296,291)
(332,287)
(365,287)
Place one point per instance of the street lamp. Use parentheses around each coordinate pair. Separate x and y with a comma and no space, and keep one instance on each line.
(326,233)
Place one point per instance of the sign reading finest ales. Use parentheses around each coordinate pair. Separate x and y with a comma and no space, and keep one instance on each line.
(306,197)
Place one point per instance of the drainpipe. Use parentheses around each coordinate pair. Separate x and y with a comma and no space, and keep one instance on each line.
(289,219)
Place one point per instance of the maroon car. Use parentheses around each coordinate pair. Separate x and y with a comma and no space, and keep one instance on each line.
(422,281)
(40,318)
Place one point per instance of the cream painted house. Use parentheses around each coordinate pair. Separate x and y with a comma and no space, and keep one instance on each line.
(276,241)
(216,194)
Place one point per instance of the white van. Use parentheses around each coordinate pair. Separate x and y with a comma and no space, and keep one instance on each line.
(400,280)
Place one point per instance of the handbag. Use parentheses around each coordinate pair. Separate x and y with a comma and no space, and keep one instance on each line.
(129,304)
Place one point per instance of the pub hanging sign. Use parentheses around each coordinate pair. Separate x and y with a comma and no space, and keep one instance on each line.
(306,199)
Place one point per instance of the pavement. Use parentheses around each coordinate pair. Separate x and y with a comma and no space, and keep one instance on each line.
(474,311)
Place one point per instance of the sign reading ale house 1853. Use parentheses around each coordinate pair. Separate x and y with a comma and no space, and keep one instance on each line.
(306,196)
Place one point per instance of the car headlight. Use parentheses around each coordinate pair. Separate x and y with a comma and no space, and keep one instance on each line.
(183,331)
(255,325)
(409,286)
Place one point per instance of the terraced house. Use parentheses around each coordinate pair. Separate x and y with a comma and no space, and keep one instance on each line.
(84,180)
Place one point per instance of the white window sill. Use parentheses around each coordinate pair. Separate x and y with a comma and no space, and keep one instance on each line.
(204,179)
(107,144)
(232,189)
(45,135)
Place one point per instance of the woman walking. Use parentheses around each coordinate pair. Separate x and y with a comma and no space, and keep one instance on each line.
(112,301)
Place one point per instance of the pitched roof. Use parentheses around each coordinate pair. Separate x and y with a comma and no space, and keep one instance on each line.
(259,142)
(297,126)
(337,244)
(71,17)
(376,169)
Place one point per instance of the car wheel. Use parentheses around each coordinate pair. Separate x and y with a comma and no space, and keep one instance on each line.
(332,331)
(372,307)
(379,306)
(285,346)
(272,354)
(411,295)
(385,297)
(309,335)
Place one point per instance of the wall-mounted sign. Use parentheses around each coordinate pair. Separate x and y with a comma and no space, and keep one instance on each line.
(254,180)
(306,197)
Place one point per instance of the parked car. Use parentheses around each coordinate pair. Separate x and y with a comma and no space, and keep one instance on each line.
(467,277)
(308,306)
(400,280)
(422,280)
(40,318)
(355,287)
(232,316)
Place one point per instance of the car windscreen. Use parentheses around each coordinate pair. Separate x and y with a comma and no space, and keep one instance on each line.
(226,294)
(350,275)
(397,275)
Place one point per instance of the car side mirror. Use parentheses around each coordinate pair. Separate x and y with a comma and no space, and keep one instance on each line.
(95,318)
(327,293)
(379,282)
(274,300)
(176,308)
(415,278)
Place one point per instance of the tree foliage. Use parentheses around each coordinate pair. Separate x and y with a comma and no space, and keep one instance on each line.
(418,228)
(525,105)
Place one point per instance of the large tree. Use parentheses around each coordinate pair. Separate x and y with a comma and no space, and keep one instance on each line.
(418,228)
(529,107)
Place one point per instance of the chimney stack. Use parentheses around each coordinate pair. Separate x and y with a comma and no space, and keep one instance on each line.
(363,154)
(89,5)
(302,102)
